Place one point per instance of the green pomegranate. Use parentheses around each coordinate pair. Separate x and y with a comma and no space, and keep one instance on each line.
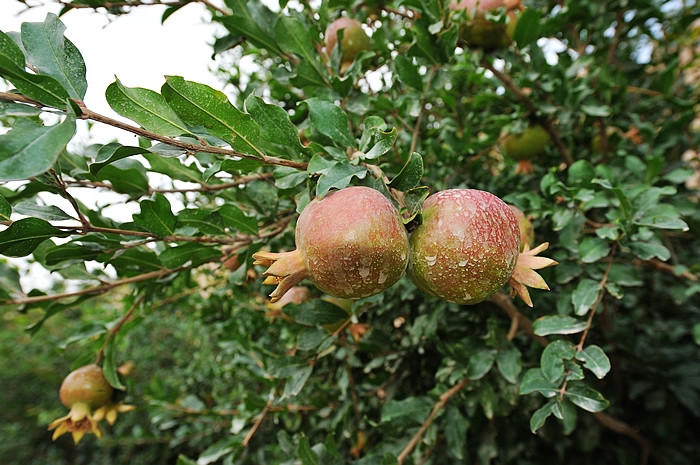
(355,39)
(525,146)
(350,244)
(480,32)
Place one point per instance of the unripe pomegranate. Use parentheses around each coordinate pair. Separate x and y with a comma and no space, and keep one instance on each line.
(527,232)
(350,244)
(525,146)
(355,39)
(86,392)
(484,33)
(82,391)
(468,246)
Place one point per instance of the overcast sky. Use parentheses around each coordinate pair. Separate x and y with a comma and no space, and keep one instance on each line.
(135,47)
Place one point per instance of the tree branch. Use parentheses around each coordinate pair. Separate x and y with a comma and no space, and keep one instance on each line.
(447,395)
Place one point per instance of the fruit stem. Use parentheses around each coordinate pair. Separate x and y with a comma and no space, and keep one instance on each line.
(285,269)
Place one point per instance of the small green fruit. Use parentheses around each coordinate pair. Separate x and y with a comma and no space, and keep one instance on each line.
(354,41)
(526,145)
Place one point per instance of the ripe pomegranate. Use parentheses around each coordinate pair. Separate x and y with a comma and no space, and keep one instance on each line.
(355,39)
(468,246)
(350,244)
(525,146)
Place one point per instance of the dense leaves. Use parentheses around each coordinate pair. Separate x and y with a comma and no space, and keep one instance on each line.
(149,247)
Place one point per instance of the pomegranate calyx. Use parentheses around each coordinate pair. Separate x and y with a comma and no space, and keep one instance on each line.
(524,274)
(79,421)
(285,269)
(110,411)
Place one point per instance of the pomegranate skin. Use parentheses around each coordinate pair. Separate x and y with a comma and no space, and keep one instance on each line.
(467,246)
(353,242)
(86,385)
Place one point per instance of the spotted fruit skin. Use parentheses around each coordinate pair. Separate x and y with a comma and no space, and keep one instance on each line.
(467,246)
(354,41)
(87,385)
(353,242)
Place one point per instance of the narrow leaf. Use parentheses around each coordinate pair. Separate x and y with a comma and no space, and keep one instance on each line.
(557,324)
(45,212)
(11,51)
(331,121)
(538,418)
(552,359)
(534,381)
(39,87)
(585,296)
(156,216)
(585,397)
(338,177)
(480,363)
(275,125)
(5,209)
(30,149)
(234,218)
(109,153)
(528,28)
(109,367)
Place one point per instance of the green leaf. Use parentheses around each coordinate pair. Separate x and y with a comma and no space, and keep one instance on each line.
(413,199)
(23,236)
(316,312)
(552,359)
(538,418)
(585,397)
(172,257)
(5,209)
(534,381)
(557,324)
(412,410)
(67,254)
(9,281)
(595,360)
(383,142)
(109,367)
(294,37)
(696,333)
(338,176)
(127,177)
(296,382)
(174,168)
(45,212)
(287,177)
(200,105)
(581,173)
(183,460)
(592,249)
(30,149)
(156,216)
(509,364)
(109,153)
(242,22)
(146,107)
(410,175)
(456,426)
(331,121)
(480,363)
(53,55)
(650,249)
(585,296)
(528,29)
(235,219)
(219,449)
(11,52)
(39,87)
(275,125)
(408,72)
(306,455)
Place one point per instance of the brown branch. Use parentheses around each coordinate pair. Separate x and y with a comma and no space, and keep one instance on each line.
(113,332)
(91,115)
(507,305)
(599,298)
(619,23)
(136,3)
(419,119)
(440,404)
(517,91)
(259,420)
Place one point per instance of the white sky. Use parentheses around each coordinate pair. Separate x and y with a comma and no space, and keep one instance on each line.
(135,47)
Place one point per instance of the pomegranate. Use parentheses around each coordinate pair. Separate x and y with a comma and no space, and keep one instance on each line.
(527,232)
(350,244)
(355,39)
(525,146)
(468,246)
(82,391)
(481,32)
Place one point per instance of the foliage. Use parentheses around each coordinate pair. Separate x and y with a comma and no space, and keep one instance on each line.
(603,368)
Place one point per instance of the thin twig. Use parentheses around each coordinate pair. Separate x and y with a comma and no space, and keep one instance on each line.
(113,332)
(447,395)
(511,86)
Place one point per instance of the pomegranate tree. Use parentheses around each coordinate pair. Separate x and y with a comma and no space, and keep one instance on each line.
(468,246)
(350,244)
(88,395)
